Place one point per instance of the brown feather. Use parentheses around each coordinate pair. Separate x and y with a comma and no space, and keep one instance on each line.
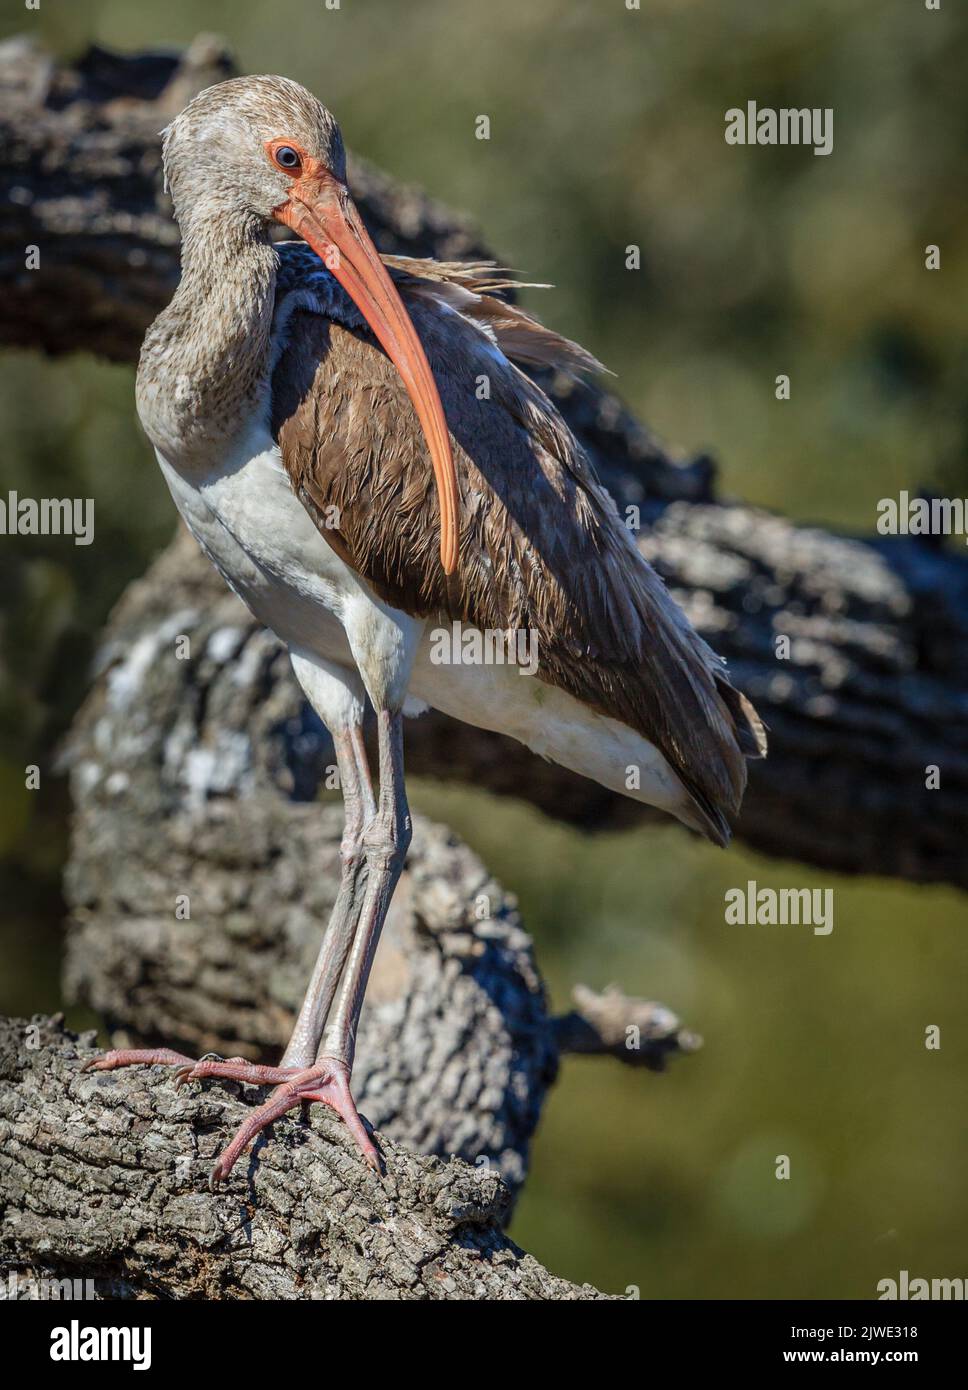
(469,288)
(541,545)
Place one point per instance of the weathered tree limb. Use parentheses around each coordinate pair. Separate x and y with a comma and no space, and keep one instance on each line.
(104,1176)
(875,688)
(635,1031)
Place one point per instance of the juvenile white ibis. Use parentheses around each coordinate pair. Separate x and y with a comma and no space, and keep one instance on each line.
(317,413)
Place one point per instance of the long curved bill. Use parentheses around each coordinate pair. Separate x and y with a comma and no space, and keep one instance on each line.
(321,210)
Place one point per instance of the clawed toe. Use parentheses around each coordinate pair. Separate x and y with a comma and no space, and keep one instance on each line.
(219,1171)
(234,1069)
(334,1091)
(327,1082)
(133,1057)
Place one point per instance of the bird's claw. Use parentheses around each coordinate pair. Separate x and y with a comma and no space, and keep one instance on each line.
(327,1082)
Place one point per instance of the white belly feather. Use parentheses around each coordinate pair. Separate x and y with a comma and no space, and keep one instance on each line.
(247,519)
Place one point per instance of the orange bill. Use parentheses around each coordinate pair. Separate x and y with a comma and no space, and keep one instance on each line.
(321,210)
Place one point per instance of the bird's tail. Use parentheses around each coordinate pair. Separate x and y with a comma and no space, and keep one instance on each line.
(748,726)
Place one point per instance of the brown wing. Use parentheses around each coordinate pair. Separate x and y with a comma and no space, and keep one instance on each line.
(541,544)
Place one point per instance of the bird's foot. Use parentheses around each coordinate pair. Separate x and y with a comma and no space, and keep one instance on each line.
(327,1081)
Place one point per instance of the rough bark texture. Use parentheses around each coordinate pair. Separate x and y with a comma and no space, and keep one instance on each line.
(874,688)
(104,1177)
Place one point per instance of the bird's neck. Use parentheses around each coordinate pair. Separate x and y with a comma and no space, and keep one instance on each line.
(204,365)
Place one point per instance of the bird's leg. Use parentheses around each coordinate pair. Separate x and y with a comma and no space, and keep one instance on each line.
(385,843)
(301,1050)
(359,808)
(304,1042)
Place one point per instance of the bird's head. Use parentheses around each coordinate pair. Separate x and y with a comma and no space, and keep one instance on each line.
(262,149)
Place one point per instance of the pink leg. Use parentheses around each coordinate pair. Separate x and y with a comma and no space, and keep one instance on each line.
(328,1079)
(299,1079)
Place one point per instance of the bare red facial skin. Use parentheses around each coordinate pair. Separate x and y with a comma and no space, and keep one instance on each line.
(321,210)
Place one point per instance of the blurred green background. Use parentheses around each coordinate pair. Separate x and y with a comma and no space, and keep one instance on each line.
(606,130)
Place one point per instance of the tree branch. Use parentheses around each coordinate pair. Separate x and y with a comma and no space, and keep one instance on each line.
(637,1032)
(104,1177)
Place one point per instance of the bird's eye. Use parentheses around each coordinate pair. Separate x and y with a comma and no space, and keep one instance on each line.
(287,158)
